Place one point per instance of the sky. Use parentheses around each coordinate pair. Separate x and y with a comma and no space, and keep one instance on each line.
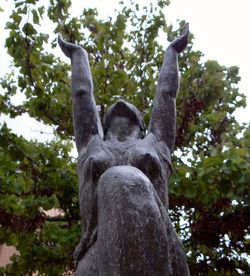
(220,27)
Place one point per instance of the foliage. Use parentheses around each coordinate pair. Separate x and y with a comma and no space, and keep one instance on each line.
(209,190)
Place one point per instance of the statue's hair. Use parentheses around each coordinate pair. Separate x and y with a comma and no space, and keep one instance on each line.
(124,109)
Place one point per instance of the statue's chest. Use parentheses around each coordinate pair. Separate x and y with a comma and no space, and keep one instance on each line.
(120,152)
(101,155)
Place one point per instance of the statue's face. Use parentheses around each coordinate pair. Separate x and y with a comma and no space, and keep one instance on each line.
(122,122)
(122,129)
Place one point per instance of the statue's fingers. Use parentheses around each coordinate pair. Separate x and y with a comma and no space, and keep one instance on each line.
(186,30)
(60,40)
(184,36)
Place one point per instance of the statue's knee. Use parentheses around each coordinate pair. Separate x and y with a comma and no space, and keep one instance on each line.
(120,179)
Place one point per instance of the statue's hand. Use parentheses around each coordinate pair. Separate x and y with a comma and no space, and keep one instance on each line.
(180,43)
(67,48)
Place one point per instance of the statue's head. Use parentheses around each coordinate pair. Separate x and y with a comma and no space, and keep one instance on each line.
(123,120)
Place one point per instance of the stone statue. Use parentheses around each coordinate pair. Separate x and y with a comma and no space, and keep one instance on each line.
(123,176)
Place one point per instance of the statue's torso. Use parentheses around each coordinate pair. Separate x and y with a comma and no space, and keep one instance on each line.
(148,155)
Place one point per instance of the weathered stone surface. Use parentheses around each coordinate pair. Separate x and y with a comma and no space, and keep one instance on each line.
(123,176)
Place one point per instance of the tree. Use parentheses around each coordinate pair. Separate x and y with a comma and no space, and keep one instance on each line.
(209,190)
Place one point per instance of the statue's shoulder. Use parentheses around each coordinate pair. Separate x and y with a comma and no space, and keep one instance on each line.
(160,147)
(95,144)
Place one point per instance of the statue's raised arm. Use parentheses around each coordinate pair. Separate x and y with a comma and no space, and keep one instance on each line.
(163,118)
(85,113)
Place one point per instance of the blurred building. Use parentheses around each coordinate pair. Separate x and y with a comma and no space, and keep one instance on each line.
(5,253)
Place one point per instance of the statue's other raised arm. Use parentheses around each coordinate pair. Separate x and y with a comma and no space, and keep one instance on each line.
(85,113)
(163,118)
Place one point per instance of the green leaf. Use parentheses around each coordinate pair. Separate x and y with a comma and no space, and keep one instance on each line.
(35,17)
(19,3)
(191,191)
(28,29)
